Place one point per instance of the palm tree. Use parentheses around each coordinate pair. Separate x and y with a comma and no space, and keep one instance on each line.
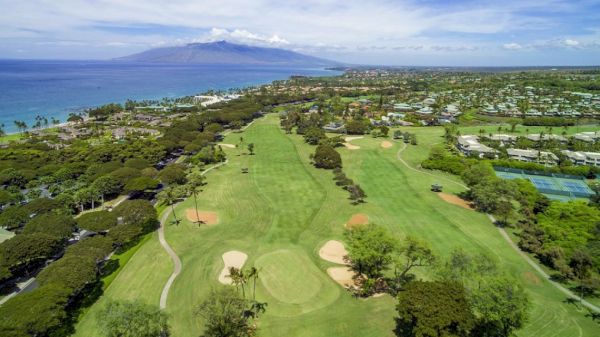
(253,274)
(238,278)
(2,132)
(195,183)
(168,197)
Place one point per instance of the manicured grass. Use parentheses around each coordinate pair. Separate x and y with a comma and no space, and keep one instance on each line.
(283,210)
(10,137)
(123,258)
(142,278)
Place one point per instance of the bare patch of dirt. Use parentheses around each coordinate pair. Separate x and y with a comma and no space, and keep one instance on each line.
(333,251)
(231,259)
(455,200)
(531,278)
(386,144)
(208,218)
(358,219)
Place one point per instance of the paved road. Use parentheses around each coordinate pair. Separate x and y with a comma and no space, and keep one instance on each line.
(506,237)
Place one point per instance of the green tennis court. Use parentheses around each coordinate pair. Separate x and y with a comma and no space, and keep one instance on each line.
(553,185)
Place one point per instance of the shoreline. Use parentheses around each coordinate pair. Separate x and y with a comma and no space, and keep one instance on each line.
(205,78)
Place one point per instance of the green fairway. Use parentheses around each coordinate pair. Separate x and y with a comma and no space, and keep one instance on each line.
(283,210)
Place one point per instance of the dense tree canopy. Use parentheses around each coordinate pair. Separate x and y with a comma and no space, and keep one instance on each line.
(97,221)
(433,309)
(132,319)
(327,157)
(370,249)
(58,225)
(35,313)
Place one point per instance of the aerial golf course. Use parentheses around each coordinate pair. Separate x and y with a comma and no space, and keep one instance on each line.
(283,211)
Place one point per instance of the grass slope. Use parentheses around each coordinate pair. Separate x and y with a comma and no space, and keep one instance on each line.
(284,210)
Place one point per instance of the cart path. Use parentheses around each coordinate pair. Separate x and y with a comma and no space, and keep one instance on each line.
(506,237)
(163,242)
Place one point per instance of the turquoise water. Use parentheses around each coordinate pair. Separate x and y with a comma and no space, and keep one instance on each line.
(56,88)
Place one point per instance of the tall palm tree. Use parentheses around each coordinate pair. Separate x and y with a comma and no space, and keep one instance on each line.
(253,274)
(168,197)
(195,183)
(238,278)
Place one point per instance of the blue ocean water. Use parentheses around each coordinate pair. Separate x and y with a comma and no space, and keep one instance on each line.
(56,88)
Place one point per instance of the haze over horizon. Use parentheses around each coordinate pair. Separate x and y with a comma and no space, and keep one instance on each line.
(421,33)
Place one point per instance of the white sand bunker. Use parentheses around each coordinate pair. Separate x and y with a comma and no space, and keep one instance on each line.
(333,251)
(351,146)
(231,259)
(342,275)
(231,146)
(386,145)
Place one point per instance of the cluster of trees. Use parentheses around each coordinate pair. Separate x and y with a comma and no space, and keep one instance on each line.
(73,279)
(407,137)
(132,319)
(382,262)
(468,295)
(228,312)
(566,237)
(357,195)
(102,113)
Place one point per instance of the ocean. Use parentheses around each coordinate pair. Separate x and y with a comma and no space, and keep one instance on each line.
(56,88)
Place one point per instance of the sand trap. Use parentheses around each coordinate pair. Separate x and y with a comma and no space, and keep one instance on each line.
(208,218)
(333,251)
(351,146)
(231,259)
(386,145)
(357,220)
(342,275)
(231,146)
(453,199)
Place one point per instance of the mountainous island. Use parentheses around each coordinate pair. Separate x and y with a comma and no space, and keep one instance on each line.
(223,52)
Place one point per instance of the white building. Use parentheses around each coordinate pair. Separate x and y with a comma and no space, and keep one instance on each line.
(469,145)
(533,156)
(583,158)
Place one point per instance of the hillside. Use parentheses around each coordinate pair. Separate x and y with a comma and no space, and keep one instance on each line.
(223,52)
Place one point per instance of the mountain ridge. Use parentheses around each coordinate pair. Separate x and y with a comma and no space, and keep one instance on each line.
(223,52)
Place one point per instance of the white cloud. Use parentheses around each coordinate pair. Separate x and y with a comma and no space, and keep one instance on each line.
(571,43)
(323,27)
(512,46)
(244,36)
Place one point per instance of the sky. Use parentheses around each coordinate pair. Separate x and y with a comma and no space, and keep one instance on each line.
(377,32)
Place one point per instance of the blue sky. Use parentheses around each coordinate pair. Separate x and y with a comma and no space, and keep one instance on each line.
(429,32)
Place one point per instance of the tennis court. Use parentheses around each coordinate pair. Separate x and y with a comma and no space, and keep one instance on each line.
(553,185)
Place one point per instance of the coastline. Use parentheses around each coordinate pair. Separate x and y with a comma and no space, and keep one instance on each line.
(76,85)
